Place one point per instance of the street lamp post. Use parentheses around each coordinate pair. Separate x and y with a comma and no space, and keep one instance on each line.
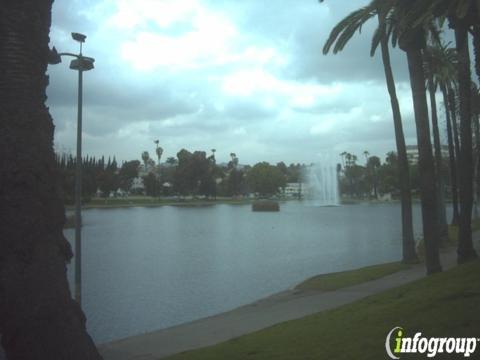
(80,63)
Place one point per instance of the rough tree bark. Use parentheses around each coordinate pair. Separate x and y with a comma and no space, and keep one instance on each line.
(38,318)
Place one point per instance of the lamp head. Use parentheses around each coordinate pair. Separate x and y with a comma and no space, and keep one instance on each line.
(79,37)
(53,57)
(82,64)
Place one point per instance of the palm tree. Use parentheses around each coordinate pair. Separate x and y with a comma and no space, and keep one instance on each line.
(460,13)
(476,48)
(476,163)
(339,36)
(145,158)
(452,158)
(366,154)
(213,156)
(234,161)
(411,39)
(445,75)
(453,106)
(433,64)
(465,251)
(158,151)
(462,16)
(374,164)
(38,317)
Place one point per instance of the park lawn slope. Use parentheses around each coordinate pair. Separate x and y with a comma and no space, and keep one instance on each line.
(335,281)
(443,305)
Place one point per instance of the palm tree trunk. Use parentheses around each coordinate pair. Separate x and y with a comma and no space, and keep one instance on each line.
(465,250)
(442,214)
(451,153)
(408,241)
(453,111)
(476,164)
(476,49)
(38,318)
(426,166)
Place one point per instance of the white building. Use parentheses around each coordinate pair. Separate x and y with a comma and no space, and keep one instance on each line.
(295,190)
(412,153)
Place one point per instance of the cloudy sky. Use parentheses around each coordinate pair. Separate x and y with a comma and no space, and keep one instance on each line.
(238,76)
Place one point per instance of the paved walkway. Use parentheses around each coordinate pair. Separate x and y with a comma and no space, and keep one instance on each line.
(275,309)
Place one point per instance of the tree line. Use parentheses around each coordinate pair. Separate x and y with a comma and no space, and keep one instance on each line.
(187,174)
(196,174)
(377,178)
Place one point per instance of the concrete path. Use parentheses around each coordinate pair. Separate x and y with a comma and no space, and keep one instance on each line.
(275,309)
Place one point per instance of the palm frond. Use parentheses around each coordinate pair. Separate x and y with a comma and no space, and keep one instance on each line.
(377,37)
(346,28)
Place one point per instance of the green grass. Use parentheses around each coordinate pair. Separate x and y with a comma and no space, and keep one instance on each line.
(452,237)
(334,281)
(453,231)
(443,305)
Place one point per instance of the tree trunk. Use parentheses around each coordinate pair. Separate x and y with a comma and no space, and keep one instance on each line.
(451,153)
(38,318)
(476,49)
(476,163)
(426,166)
(442,214)
(465,250)
(408,241)
(453,108)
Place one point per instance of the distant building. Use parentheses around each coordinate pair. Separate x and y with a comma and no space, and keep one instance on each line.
(295,190)
(412,153)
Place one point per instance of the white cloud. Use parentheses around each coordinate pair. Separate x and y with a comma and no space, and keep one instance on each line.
(205,74)
(130,14)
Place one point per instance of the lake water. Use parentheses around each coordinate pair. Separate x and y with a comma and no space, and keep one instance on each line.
(150,268)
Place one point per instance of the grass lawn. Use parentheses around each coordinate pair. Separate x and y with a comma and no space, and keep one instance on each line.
(452,238)
(443,305)
(453,231)
(334,281)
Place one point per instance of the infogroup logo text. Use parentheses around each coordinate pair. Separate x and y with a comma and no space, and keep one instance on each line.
(429,346)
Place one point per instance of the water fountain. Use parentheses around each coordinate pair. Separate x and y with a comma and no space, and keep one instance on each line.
(322,184)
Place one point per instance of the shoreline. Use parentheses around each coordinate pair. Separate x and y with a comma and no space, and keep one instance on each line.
(295,291)
(292,292)
(276,308)
(201,203)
